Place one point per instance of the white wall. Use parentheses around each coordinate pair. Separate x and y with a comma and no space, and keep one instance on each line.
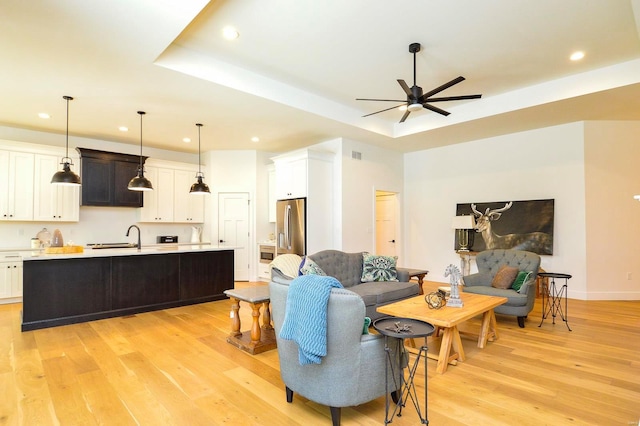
(612,151)
(538,164)
(356,185)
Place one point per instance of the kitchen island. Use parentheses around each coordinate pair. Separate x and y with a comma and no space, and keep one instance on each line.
(60,289)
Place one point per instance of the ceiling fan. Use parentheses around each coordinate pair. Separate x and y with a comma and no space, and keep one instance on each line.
(416,99)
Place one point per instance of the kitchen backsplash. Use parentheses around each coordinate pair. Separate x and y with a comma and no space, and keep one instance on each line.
(97,225)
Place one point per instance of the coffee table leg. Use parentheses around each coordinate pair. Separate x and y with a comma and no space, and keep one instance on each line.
(235,318)
(489,330)
(255,324)
(450,337)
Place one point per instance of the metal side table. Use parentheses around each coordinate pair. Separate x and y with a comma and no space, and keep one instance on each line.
(404,328)
(552,297)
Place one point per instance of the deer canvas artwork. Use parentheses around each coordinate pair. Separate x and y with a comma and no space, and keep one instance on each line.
(521,225)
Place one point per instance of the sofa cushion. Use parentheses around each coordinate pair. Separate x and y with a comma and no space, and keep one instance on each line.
(514,298)
(378,268)
(505,277)
(382,292)
(309,267)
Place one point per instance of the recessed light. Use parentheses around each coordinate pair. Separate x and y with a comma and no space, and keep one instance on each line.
(186,140)
(255,139)
(123,128)
(44,115)
(230,33)
(576,56)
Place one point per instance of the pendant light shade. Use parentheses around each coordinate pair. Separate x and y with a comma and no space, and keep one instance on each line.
(199,187)
(66,176)
(140,183)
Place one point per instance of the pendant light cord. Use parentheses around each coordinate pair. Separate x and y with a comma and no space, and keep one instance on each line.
(199,161)
(66,152)
(141,114)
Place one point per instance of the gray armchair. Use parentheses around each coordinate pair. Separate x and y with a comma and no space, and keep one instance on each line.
(519,303)
(352,372)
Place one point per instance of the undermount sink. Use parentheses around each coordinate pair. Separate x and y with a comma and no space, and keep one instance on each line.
(111,245)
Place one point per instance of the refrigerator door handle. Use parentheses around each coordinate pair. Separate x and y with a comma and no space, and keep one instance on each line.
(287,225)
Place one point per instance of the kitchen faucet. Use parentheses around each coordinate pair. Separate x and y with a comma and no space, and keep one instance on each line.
(135,226)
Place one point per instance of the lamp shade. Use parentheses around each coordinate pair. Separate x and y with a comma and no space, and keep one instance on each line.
(199,188)
(463,222)
(65,176)
(139,182)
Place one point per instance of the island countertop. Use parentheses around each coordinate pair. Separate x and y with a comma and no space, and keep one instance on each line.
(132,251)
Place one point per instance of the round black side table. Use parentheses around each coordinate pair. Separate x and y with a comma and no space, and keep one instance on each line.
(552,297)
(404,328)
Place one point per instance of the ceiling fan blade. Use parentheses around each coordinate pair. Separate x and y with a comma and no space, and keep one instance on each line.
(454,98)
(387,109)
(406,88)
(436,109)
(404,117)
(382,100)
(443,87)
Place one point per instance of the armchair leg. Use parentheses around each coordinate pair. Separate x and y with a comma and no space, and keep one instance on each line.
(521,321)
(335,416)
(395,396)
(289,394)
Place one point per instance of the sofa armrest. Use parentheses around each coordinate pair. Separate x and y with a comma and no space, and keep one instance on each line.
(481,278)
(403,274)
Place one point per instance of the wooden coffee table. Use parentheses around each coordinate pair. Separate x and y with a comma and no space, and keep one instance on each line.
(447,318)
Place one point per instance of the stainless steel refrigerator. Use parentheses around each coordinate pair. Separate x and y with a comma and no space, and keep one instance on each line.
(291,226)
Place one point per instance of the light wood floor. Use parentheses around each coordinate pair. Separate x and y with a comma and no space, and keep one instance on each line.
(173,367)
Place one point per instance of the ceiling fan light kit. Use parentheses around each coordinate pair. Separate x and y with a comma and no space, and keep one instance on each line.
(416,99)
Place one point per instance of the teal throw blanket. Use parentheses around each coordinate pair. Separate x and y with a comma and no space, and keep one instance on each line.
(305,318)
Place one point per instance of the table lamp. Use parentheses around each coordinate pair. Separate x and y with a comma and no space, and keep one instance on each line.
(464,226)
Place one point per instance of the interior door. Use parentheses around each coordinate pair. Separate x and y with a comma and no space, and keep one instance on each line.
(386,223)
(233,229)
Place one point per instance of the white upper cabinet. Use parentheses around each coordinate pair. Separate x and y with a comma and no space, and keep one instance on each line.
(158,204)
(53,202)
(16,185)
(188,208)
(291,179)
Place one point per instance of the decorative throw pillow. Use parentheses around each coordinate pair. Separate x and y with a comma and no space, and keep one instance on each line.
(378,268)
(311,268)
(522,277)
(505,277)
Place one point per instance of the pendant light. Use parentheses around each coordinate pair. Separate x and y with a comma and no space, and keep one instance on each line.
(66,176)
(199,187)
(140,183)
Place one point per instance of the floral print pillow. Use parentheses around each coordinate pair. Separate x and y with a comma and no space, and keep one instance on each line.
(378,268)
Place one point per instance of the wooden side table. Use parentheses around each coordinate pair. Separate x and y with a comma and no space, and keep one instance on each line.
(418,273)
(260,338)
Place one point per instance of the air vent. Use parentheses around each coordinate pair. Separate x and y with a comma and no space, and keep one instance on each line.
(355,155)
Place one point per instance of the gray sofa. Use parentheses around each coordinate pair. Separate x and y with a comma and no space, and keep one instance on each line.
(347,268)
(519,303)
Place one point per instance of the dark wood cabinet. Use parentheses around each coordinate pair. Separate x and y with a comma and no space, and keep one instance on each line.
(105,177)
(144,280)
(59,289)
(203,274)
(68,291)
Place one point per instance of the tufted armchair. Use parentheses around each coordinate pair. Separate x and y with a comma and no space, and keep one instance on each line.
(519,303)
(352,372)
